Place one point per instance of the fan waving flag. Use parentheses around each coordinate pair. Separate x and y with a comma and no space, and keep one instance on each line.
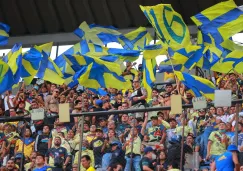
(135,40)
(14,60)
(221,21)
(6,77)
(4,34)
(168,24)
(199,86)
(100,35)
(48,70)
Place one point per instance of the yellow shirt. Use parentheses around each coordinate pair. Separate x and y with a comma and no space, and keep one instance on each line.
(136,145)
(28,148)
(90,153)
(90,169)
(217,148)
(187,130)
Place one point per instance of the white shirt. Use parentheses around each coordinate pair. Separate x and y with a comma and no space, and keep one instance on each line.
(10,102)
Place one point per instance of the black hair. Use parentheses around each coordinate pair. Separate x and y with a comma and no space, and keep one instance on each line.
(39,154)
(155,89)
(171,120)
(87,157)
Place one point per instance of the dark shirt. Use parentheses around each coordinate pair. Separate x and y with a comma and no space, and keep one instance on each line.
(118,156)
(96,146)
(145,161)
(41,144)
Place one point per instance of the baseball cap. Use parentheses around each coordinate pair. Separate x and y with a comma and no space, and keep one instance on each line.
(232,147)
(114,143)
(99,130)
(148,149)
(99,102)
(18,156)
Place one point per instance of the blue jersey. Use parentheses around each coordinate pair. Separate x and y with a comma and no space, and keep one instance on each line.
(225,162)
(44,168)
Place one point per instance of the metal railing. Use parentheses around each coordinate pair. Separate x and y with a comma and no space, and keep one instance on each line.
(115,112)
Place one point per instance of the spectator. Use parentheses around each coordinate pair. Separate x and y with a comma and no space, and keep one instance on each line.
(41,142)
(40,163)
(57,157)
(31,165)
(117,156)
(28,143)
(157,132)
(227,161)
(218,141)
(85,151)
(98,146)
(10,165)
(85,160)
(147,162)
(240,142)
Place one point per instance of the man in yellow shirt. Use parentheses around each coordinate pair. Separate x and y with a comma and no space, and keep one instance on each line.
(85,151)
(217,142)
(28,143)
(85,161)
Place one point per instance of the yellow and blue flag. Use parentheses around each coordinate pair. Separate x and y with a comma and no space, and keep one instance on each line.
(78,61)
(168,24)
(233,60)
(149,73)
(30,64)
(14,60)
(220,21)
(135,40)
(152,51)
(100,35)
(90,49)
(4,34)
(188,56)
(6,77)
(97,75)
(199,86)
(48,70)
(170,68)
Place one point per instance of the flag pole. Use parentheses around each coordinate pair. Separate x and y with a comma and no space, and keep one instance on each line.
(81,127)
(182,140)
(236,123)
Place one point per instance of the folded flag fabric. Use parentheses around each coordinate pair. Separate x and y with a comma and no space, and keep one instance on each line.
(152,51)
(149,73)
(169,68)
(220,21)
(14,60)
(78,61)
(4,34)
(168,24)
(233,60)
(135,40)
(30,64)
(97,75)
(100,35)
(6,77)
(48,70)
(199,86)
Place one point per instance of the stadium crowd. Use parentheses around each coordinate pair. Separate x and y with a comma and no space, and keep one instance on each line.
(137,141)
